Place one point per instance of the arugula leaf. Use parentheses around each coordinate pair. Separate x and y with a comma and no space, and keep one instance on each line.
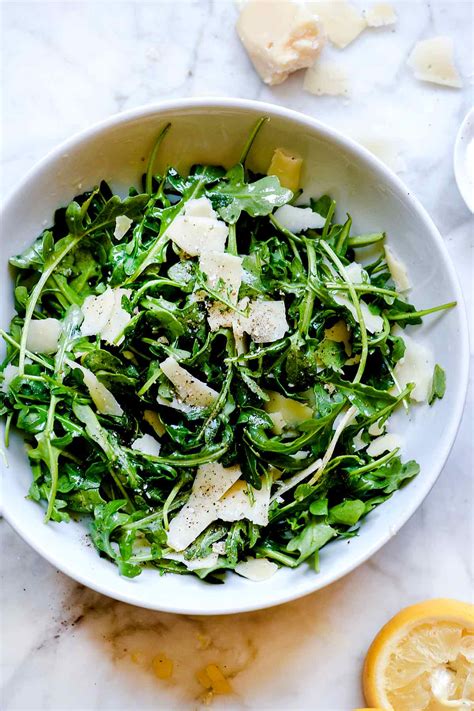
(438,385)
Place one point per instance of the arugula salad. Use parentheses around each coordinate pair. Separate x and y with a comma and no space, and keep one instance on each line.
(205,370)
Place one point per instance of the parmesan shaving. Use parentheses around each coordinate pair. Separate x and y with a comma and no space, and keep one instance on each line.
(122,225)
(287,168)
(256,569)
(416,366)
(198,229)
(397,269)
(243,501)
(432,60)
(342,22)
(102,398)
(298,219)
(190,391)
(147,445)
(385,443)
(326,79)
(43,335)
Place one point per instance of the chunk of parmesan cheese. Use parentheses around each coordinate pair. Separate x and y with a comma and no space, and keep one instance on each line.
(287,168)
(298,219)
(198,229)
(289,413)
(416,366)
(397,269)
(122,225)
(102,398)
(342,22)
(385,443)
(237,503)
(189,390)
(224,273)
(211,483)
(256,569)
(280,37)
(326,79)
(43,335)
(381,14)
(266,322)
(105,316)
(147,445)
(373,322)
(433,60)
(355,273)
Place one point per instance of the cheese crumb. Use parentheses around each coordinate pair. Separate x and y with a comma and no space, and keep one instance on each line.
(326,79)
(256,569)
(43,335)
(298,219)
(162,666)
(432,60)
(9,373)
(381,14)
(212,678)
(279,36)
(342,22)
(267,321)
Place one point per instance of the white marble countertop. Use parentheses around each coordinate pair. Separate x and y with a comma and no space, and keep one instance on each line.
(69,64)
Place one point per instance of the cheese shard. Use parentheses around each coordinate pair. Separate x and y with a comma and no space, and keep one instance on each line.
(287,168)
(237,503)
(397,269)
(326,79)
(122,225)
(355,272)
(211,483)
(224,273)
(104,315)
(118,321)
(267,321)
(146,444)
(298,219)
(198,229)
(373,322)
(43,335)
(339,333)
(256,569)
(280,37)
(208,561)
(384,443)
(381,14)
(9,373)
(102,398)
(432,60)
(154,421)
(416,366)
(286,412)
(190,391)
(342,22)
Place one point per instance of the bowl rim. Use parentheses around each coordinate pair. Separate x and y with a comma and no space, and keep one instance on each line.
(338,137)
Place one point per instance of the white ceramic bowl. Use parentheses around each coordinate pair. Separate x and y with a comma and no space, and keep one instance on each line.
(214,130)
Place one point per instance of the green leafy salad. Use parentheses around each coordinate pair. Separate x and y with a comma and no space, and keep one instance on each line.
(205,371)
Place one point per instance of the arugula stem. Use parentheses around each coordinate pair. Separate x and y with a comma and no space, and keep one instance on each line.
(364,288)
(292,237)
(251,139)
(35,295)
(404,315)
(280,557)
(377,462)
(151,159)
(6,437)
(364,240)
(329,216)
(363,331)
(171,497)
(308,304)
(395,380)
(232,240)
(52,457)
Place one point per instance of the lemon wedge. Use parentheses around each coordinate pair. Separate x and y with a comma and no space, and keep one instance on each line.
(423,659)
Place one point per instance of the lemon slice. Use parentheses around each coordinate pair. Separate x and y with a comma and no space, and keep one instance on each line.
(423,659)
